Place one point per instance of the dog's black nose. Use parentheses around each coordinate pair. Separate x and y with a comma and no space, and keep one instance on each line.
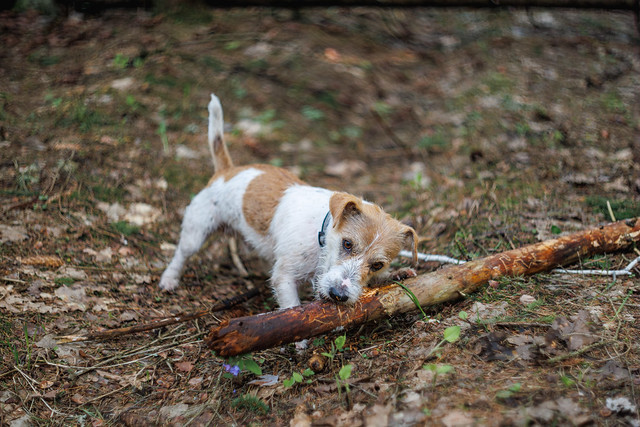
(336,295)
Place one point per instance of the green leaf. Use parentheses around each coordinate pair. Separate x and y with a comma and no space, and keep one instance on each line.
(297,377)
(452,333)
(555,229)
(308,372)
(329,355)
(504,394)
(250,365)
(312,113)
(463,315)
(516,387)
(444,369)
(345,372)
(340,341)
(568,382)
(288,383)
(430,367)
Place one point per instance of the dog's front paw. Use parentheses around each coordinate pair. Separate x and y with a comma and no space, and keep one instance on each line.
(403,274)
(169,283)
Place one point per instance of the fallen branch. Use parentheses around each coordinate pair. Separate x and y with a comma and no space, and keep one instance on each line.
(251,333)
(143,327)
(577,4)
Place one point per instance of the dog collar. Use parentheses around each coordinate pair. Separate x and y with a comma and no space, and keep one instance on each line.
(322,234)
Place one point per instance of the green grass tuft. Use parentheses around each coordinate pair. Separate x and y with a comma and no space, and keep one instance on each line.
(250,403)
(622,209)
(125,228)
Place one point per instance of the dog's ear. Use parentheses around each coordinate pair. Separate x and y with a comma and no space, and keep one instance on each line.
(410,233)
(343,206)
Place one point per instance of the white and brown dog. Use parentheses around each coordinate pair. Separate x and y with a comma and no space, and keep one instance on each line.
(338,241)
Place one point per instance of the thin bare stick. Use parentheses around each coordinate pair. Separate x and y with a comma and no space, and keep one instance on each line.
(113,333)
(235,258)
(577,352)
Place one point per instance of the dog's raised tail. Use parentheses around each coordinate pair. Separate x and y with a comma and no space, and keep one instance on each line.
(219,153)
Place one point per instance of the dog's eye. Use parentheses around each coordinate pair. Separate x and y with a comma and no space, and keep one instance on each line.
(376,266)
(347,245)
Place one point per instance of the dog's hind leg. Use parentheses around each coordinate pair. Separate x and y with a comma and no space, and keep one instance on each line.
(200,220)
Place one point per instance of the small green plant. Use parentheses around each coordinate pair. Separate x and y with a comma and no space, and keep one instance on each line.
(451,335)
(336,346)
(436,140)
(508,393)
(132,103)
(121,61)
(250,403)
(53,100)
(162,131)
(298,378)
(64,281)
(312,114)
(555,229)
(613,103)
(27,176)
(567,381)
(318,342)
(342,379)
(351,132)
(232,45)
(125,228)
(382,108)
(438,370)
(243,363)
(498,82)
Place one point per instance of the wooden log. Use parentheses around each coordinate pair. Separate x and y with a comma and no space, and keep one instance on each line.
(298,4)
(251,333)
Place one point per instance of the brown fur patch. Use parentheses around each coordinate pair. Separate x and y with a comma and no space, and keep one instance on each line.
(263,195)
(376,236)
(221,158)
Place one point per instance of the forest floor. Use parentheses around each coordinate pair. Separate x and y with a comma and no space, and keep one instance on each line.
(485,130)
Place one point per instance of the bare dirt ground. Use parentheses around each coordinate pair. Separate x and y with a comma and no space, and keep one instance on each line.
(486,130)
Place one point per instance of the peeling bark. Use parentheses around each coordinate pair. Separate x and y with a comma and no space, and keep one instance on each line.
(251,333)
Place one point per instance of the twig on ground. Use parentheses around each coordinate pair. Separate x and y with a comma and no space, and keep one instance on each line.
(520,324)
(181,318)
(9,279)
(448,260)
(235,258)
(578,352)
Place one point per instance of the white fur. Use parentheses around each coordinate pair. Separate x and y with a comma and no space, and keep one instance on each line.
(291,242)
(295,226)
(216,125)
(219,203)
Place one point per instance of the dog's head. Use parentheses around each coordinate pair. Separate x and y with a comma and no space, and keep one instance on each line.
(360,245)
